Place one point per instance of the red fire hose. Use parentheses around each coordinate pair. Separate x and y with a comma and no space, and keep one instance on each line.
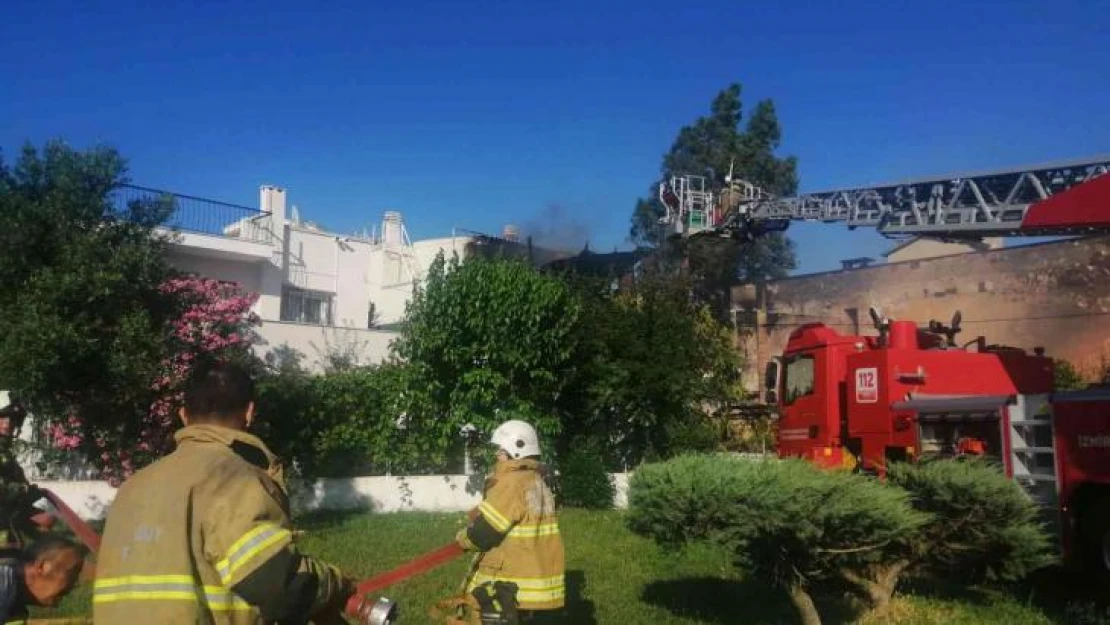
(70,518)
(411,568)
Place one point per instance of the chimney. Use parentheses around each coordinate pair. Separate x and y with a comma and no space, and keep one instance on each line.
(271,199)
(511,233)
(391,228)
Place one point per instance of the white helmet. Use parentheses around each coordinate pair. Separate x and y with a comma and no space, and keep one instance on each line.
(517,438)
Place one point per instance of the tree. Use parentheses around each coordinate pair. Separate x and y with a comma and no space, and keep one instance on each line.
(713,146)
(485,340)
(798,526)
(981,527)
(97,332)
(654,368)
(785,522)
(81,316)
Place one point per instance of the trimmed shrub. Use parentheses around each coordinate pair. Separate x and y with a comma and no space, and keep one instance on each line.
(984,528)
(784,521)
(583,481)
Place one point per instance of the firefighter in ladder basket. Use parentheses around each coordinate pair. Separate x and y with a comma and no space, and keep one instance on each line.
(518,576)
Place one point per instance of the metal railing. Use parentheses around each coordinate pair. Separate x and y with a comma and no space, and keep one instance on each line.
(202,215)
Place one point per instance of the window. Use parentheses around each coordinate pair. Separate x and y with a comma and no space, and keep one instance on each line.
(798,380)
(301,306)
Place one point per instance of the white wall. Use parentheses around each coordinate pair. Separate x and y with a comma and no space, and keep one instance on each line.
(390,294)
(247,274)
(426,493)
(371,346)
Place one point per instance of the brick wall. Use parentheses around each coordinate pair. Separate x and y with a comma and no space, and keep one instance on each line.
(1055,295)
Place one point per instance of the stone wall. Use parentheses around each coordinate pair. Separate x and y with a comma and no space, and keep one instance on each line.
(1055,295)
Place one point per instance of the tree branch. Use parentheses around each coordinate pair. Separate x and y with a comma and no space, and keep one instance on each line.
(854,549)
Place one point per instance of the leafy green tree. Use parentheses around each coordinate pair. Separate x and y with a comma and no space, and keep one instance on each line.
(786,522)
(485,340)
(654,369)
(82,318)
(711,146)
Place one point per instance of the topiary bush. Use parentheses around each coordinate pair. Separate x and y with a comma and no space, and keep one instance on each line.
(984,527)
(583,481)
(784,521)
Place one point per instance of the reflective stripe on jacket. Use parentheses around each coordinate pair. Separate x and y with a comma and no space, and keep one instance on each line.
(185,530)
(519,505)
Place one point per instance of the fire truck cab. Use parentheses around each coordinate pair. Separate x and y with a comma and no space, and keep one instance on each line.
(858,402)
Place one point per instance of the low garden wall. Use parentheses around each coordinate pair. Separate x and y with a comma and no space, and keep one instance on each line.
(429,493)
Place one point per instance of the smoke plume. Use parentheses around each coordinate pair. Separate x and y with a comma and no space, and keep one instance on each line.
(553,227)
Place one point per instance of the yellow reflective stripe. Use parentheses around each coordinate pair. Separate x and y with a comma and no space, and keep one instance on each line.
(534,530)
(530,590)
(540,596)
(523,583)
(127,580)
(495,518)
(166,588)
(248,546)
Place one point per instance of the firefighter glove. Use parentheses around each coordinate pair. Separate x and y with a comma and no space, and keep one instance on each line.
(463,539)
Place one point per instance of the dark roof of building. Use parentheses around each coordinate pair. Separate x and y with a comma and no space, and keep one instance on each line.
(599,264)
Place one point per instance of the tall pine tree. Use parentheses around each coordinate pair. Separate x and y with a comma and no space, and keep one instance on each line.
(710,147)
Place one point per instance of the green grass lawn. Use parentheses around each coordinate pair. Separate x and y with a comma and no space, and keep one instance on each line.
(613,577)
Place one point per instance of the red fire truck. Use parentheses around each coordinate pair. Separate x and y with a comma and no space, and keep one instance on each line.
(857,402)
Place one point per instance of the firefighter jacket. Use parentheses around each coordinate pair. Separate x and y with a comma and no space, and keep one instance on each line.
(203,536)
(518,532)
(17,496)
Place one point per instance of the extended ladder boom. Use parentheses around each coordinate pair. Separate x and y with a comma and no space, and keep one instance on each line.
(1065,198)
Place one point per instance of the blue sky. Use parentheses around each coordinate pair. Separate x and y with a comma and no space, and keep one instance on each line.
(477,114)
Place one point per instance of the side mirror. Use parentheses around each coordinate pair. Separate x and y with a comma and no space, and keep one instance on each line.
(771,381)
(771,375)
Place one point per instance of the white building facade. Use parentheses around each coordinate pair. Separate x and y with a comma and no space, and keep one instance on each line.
(320,293)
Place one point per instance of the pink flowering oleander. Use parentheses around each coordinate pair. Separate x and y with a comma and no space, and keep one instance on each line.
(215,320)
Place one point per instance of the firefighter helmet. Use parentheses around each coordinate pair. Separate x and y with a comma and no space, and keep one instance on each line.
(15,413)
(516,438)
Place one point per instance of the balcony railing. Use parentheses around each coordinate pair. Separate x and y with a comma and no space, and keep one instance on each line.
(201,215)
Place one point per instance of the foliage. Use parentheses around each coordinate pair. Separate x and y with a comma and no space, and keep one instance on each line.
(485,340)
(784,521)
(981,527)
(1066,377)
(81,321)
(984,526)
(712,146)
(583,481)
(210,320)
(96,330)
(654,364)
(341,424)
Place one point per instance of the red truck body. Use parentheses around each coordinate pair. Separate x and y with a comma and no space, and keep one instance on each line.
(853,402)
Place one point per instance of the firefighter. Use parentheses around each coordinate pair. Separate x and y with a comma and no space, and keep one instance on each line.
(20,522)
(519,572)
(41,575)
(203,534)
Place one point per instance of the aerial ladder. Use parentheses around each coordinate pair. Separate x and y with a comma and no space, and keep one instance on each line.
(1067,198)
